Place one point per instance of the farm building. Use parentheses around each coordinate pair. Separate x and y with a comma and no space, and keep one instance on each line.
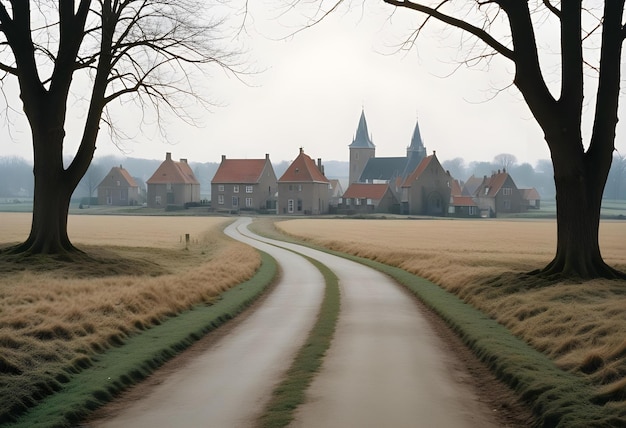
(498,194)
(173,184)
(244,184)
(118,188)
(303,189)
(363,198)
(426,191)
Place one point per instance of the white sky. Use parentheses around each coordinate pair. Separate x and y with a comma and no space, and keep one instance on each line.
(314,85)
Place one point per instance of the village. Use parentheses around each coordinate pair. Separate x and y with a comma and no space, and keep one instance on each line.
(414,184)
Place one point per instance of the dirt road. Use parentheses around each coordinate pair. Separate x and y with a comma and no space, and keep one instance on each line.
(385,368)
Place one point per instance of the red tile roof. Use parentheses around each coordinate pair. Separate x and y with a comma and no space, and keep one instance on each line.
(366,190)
(239,171)
(303,169)
(418,171)
(463,201)
(130,180)
(173,172)
(455,188)
(530,194)
(494,183)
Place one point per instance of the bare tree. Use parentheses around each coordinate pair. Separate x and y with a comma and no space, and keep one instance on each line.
(505,160)
(508,28)
(144,51)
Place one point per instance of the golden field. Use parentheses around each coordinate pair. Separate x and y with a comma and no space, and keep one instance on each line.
(581,326)
(139,271)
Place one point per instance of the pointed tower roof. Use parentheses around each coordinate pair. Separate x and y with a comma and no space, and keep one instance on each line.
(416,140)
(415,152)
(362,138)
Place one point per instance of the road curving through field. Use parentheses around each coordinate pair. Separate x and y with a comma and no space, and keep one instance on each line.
(386,367)
(229,384)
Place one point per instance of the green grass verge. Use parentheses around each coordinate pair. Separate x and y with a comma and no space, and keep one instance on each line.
(290,393)
(557,398)
(140,355)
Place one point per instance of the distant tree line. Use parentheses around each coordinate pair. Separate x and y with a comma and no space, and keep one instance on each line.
(16,174)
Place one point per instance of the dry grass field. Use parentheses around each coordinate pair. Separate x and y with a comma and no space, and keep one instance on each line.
(581,326)
(55,315)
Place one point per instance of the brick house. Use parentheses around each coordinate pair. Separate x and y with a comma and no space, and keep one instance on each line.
(461,205)
(498,194)
(426,191)
(303,189)
(248,184)
(118,188)
(368,198)
(173,183)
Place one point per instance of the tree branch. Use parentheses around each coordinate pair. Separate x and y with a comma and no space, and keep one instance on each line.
(458,23)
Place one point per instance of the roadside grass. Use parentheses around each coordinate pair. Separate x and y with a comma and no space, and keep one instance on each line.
(57,317)
(290,393)
(574,373)
(139,355)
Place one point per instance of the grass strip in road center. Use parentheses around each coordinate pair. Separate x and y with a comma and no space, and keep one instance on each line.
(140,355)
(290,393)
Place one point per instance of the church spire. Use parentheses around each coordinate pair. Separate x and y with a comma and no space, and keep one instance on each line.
(416,140)
(362,138)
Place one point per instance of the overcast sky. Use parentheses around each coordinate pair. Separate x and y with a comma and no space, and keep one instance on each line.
(313,86)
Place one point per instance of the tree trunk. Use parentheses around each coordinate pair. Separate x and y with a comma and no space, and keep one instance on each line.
(52,193)
(579,181)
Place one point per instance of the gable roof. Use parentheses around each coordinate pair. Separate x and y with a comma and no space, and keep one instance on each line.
(471,185)
(239,171)
(493,183)
(366,190)
(173,172)
(530,194)
(336,187)
(303,169)
(362,138)
(383,169)
(418,171)
(121,173)
(455,188)
(463,201)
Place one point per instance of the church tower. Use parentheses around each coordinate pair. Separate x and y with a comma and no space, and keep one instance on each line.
(361,150)
(415,152)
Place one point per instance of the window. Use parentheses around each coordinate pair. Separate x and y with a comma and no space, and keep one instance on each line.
(507,191)
(357,201)
(487,190)
(369,201)
(290,187)
(220,187)
(235,201)
(507,204)
(118,182)
(248,202)
(220,199)
(236,188)
(290,206)
(299,205)
(249,189)
(472,210)
(299,187)
(157,200)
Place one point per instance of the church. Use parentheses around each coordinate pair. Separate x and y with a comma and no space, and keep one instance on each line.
(417,183)
(365,167)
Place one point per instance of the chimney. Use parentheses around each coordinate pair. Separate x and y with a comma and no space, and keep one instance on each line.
(434,152)
(183,160)
(168,156)
(267,156)
(301,150)
(223,158)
